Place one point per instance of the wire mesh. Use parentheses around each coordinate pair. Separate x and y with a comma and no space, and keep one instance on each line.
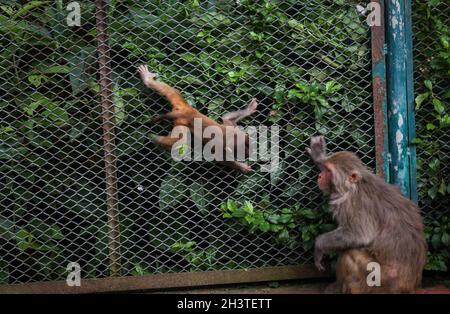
(431,84)
(219,54)
(433,161)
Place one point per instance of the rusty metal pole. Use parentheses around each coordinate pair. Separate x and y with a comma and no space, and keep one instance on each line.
(106,86)
(379,93)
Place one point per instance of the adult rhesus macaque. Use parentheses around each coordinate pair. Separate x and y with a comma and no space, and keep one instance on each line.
(183,115)
(376,223)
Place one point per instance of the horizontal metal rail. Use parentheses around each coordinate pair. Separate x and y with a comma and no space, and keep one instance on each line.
(166,281)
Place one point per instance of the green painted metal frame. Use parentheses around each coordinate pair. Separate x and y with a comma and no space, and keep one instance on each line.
(400,96)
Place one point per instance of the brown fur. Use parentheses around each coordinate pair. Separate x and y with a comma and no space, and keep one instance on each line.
(375,223)
(183,114)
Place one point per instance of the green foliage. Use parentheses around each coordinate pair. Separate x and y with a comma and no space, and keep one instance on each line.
(138,270)
(432,60)
(285,225)
(438,236)
(198,259)
(316,95)
(301,59)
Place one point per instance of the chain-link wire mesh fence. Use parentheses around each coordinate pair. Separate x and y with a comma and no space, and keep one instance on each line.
(431,24)
(307,62)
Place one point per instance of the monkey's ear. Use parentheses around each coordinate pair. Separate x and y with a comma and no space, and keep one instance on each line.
(355,176)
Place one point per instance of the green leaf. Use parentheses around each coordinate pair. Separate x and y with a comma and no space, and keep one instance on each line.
(264,226)
(29,109)
(201,195)
(119,108)
(285,218)
(56,232)
(232,205)
(79,62)
(273,218)
(77,130)
(173,189)
(4,273)
(28,7)
(56,114)
(284,235)
(53,69)
(7,230)
(445,239)
(23,239)
(428,84)
(350,106)
(7,9)
(138,270)
(438,106)
(332,86)
(421,98)
(248,207)
(432,192)
(436,241)
(442,187)
(37,79)
(430,126)
(141,18)
(417,141)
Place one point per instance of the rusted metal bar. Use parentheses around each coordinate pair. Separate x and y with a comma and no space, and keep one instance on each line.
(171,280)
(112,212)
(379,95)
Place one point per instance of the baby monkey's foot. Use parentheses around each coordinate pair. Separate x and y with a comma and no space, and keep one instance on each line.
(146,75)
(251,108)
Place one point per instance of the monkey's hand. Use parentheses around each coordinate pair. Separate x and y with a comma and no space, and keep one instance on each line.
(146,75)
(317,149)
(318,255)
(319,251)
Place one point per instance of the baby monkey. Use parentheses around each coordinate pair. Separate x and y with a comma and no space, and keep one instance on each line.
(183,114)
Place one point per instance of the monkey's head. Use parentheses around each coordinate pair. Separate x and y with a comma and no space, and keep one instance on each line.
(340,173)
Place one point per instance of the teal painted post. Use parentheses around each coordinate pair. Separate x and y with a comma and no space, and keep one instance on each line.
(411,104)
(400,95)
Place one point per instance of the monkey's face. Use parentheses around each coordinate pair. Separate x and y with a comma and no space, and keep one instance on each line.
(325,178)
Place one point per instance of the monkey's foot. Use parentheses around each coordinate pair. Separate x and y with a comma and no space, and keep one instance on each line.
(240,166)
(146,75)
(245,168)
(251,108)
